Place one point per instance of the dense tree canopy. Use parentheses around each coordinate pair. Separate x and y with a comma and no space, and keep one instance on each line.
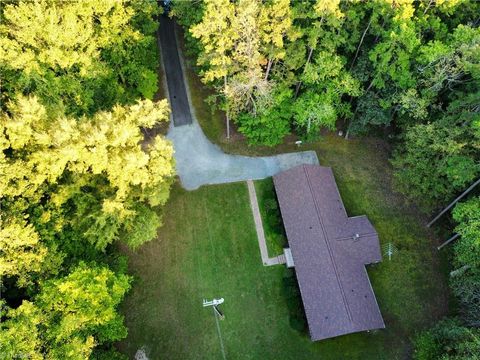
(369,63)
(93,168)
(69,188)
(69,317)
(84,55)
(75,172)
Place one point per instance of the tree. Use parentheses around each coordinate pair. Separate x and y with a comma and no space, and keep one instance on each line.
(217,36)
(467,254)
(69,317)
(439,159)
(447,340)
(21,251)
(313,111)
(20,333)
(275,25)
(73,179)
(90,177)
(248,90)
(386,68)
(187,14)
(321,104)
(318,26)
(84,55)
(271,124)
(240,43)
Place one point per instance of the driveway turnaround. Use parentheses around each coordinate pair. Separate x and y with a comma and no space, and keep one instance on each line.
(199,162)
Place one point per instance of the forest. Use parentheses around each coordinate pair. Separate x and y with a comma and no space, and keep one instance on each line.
(79,84)
(78,79)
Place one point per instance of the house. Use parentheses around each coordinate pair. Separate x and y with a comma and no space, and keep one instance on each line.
(329,251)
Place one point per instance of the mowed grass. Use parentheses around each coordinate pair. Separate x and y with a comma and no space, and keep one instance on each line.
(207,248)
(411,287)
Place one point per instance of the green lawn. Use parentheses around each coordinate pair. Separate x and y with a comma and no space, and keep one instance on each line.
(272,221)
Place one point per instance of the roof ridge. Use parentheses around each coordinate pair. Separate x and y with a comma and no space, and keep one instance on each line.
(330,252)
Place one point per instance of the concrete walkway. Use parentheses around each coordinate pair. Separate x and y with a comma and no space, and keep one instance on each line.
(262,244)
(199,162)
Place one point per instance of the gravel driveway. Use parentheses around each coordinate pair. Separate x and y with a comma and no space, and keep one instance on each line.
(199,162)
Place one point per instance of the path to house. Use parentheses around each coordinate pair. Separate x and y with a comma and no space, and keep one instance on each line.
(198,161)
(267,261)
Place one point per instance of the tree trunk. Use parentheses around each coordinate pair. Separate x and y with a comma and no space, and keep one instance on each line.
(378,36)
(347,132)
(228,124)
(459,271)
(454,237)
(360,44)
(369,86)
(299,84)
(428,6)
(227,118)
(470,188)
(269,66)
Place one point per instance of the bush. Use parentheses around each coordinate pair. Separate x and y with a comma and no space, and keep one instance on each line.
(264,129)
(426,346)
(291,292)
(448,340)
(271,124)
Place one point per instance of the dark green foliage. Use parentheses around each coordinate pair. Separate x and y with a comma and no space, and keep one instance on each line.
(187,14)
(426,346)
(459,338)
(448,340)
(293,298)
(440,159)
(370,114)
(108,354)
(466,283)
(275,223)
(270,125)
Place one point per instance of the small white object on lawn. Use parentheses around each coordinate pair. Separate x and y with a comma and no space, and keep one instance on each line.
(141,354)
(214,302)
(389,249)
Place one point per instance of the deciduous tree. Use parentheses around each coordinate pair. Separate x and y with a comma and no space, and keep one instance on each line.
(85,55)
(93,169)
(68,318)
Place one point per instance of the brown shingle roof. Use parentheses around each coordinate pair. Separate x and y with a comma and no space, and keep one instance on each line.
(330,251)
